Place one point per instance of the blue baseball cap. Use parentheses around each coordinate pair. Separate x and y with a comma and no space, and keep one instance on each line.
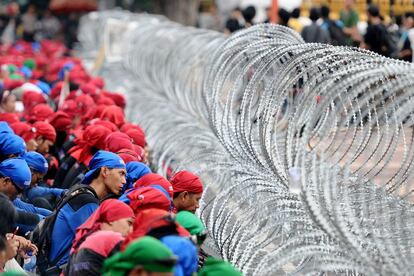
(5,128)
(103,159)
(136,170)
(18,171)
(36,161)
(10,143)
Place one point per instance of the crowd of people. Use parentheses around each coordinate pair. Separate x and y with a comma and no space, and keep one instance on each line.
(34,23)
(391,38)
(77,193)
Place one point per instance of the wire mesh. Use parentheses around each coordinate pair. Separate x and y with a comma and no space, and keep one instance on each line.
(305,150)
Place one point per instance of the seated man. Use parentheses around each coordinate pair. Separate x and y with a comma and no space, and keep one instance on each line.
(188,190)
(106,177)
(15,177)
(40,196)
(144,256)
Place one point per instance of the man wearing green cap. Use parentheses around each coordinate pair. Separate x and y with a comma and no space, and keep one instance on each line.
(216,267)
(145,256)
(30,63)
(192,224)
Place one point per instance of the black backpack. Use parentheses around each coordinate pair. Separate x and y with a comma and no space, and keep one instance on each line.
(42,234)
(388,43)
(338,37)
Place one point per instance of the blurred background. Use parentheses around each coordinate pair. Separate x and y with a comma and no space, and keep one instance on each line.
(383,26)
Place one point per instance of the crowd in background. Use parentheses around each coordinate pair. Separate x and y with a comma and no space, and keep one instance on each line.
(391,39)
(33,23)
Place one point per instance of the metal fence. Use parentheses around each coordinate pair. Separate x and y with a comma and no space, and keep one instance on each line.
(306,150)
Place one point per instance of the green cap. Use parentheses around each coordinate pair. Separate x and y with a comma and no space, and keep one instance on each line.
(216,267)
(30,63)
(12,68)
(148,252)
(191,222)
(15,76)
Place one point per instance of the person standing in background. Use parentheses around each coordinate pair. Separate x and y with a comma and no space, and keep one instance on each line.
(235,21)
(406,42)
(314,32)
(334,27)
(376,38)
(294,21)
(29,23)
(50,25)
(248,14)
(209,18)
(350,18)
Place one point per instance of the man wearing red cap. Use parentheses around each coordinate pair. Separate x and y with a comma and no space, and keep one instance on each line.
(45,136)
(188,190)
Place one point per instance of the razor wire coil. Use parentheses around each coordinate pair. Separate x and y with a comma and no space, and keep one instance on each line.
(306,150)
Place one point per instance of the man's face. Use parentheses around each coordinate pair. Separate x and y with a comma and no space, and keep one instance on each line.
(8,188)
(31,145)
(122,226)
(114,180)
(43,145)
(349,4)
(188,201)
(9,105)
(36,178)
(75,121)
(408,22)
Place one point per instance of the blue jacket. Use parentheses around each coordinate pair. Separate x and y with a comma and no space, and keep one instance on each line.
(71,216)
(30,208)
(40,191)
(26,221)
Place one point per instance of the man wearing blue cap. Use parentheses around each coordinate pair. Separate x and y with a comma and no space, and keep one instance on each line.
(11,145)
(40,196)
(106,176)
(15,177)
(27,207)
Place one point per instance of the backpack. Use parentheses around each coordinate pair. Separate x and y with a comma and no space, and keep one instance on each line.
(338,37)
(42,234)
(388,42)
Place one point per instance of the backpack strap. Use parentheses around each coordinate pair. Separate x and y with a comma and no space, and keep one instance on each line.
(72,193)
(69,195)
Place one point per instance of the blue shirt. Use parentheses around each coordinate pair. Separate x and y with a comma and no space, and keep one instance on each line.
(70,217)
(40,191)
(27,221)
(30,208)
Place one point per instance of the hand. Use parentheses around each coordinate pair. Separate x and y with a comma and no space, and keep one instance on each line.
(12,248)
(24,245)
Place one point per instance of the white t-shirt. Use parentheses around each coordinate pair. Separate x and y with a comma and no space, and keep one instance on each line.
(13,265)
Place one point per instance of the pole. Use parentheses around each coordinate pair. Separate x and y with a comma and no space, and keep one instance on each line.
(275,10)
